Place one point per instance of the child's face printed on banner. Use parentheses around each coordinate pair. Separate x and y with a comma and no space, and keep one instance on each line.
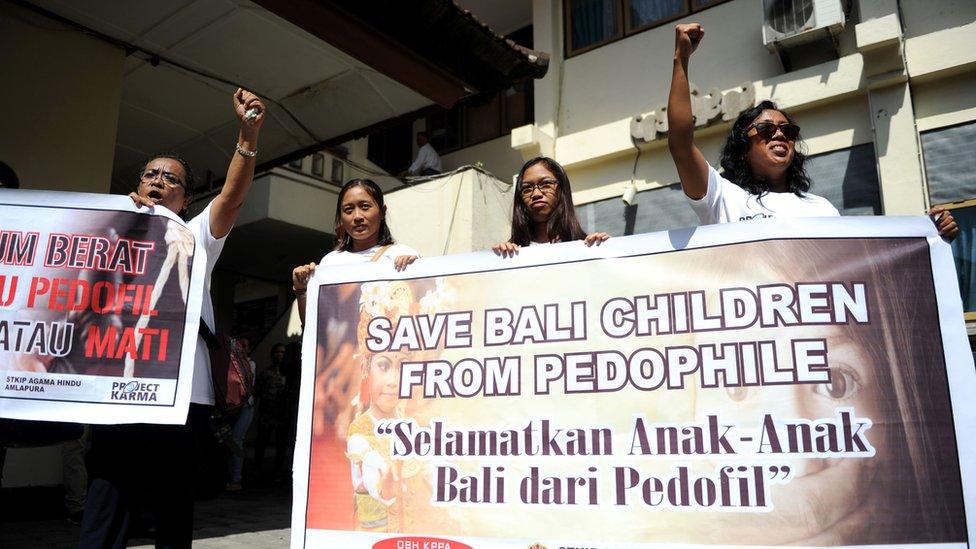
(384,383)
(853,384)
(540,203)
(163,181)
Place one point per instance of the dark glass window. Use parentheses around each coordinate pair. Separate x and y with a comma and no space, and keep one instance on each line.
(950,164)
(391,148)
(644,13)
(318,165)
(336,171)
(848,178)
(950,169)
(592,23)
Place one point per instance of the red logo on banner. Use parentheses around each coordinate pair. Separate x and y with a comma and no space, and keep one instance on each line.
(420,543)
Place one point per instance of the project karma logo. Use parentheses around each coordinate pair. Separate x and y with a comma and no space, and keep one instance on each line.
(134,390)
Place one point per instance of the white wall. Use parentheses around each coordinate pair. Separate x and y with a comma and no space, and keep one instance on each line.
(60,94)
(945,102)
(497,157)
(616,81)
(586,102)
(925,16)
(464,212)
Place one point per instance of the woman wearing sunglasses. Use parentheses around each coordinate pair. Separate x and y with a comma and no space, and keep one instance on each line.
(763,173)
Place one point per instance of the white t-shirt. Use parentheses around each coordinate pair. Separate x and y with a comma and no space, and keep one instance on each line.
(202,388)
(726,202)
(427,157)
(341,257)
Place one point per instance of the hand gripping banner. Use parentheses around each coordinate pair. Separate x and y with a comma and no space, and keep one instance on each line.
(99,309)
(803,382)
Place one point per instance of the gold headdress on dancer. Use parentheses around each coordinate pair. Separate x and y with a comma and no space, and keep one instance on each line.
(393,300)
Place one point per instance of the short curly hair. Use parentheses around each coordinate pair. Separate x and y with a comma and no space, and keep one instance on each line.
(191,180)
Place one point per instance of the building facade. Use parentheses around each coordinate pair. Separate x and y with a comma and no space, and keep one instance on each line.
(885,94)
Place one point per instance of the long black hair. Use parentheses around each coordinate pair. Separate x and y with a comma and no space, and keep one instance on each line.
(562,226)
(735,165)
(343,240)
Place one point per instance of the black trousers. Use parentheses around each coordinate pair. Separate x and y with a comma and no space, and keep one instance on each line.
(280,432)
(142,464)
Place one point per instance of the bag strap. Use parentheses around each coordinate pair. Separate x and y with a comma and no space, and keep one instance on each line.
(208,336)
(379,253)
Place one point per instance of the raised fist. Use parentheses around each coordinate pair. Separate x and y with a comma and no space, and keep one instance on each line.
(245,101)
(686,39)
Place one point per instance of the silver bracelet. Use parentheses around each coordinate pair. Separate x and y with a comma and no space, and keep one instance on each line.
(244,152)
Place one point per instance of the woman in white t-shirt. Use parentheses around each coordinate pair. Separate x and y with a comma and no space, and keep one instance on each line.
(763,173)
(362,235)
(543,211)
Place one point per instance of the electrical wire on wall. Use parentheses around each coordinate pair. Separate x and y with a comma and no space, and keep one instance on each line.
(630,193)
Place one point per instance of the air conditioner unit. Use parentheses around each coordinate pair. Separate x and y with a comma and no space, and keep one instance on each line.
(790,23)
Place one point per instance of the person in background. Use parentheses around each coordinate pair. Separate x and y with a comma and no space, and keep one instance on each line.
(158,463)
(428,162)
(72,451)
(241,424)
(272,403)
(8,177)
(292,368)
(762,160)
(75,476)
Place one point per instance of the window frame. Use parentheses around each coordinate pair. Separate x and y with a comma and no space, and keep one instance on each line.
(319,160)
(501,112)
(623,20)
(332,172)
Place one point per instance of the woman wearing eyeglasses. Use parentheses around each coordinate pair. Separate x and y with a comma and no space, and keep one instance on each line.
(763,173)
(543,211)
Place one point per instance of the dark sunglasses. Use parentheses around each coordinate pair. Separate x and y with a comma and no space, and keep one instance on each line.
(767,130)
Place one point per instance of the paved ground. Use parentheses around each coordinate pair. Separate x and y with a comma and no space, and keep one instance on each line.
(256,518)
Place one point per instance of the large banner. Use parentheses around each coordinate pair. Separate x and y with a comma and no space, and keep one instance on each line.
(803,382)
(99,309)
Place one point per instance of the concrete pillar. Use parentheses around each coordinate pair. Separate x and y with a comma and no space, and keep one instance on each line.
(547,36)
(61,91)
(896,144)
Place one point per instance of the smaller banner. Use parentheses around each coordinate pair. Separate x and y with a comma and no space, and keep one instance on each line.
(99,309)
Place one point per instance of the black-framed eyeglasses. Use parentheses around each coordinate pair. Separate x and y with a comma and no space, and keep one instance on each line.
(546,186)
(767,130)
(169,178)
